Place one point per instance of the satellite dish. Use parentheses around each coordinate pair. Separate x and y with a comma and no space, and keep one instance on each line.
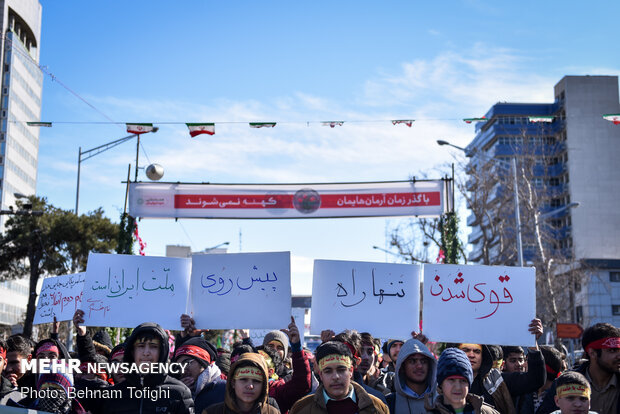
(155,172)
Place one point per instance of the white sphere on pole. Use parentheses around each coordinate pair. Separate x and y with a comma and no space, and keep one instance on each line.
(155,172)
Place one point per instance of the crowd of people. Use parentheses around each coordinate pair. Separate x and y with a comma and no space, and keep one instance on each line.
(349,372)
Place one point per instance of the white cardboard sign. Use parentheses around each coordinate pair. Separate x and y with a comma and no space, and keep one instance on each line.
(125,290)
(380,298)
(479,304)
(60,296)
(250,290)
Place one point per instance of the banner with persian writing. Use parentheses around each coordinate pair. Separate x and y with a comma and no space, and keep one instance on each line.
(382,298)
(479,304)
(126,290)
(60,296)
(277,201)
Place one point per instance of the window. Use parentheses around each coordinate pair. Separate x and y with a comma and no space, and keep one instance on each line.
(579,313)
(614,276)
(615,310)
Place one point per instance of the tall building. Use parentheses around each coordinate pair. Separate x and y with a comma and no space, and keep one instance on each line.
(22,85)
(573,158)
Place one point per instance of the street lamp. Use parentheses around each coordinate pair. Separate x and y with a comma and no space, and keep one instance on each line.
(84,155)
(209,249)
(516,191)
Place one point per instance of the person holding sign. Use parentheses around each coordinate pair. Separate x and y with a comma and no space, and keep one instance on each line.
(500,389)
(455,376)
(338,394)
(246,389)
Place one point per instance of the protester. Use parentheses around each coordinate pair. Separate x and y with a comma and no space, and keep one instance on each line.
(391,348)
(514,359)
(337,394)
(247,389)
(601,343)
(572,394)
(116,357)
(278,341)
(201,374)
(368,368)
(53,395)
(501,389)
(7,389)
(455,376)
(148,344)
(415,378)
(18,348)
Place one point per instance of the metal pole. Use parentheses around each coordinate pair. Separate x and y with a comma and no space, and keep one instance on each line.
(517,214)
(77,191)
(137,154)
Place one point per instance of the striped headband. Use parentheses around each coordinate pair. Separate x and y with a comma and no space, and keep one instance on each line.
(118,353)
(48,347)
(249,372)
(335,359)
(194,351)
(577,390)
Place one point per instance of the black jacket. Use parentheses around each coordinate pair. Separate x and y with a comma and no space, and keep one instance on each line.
(170,395)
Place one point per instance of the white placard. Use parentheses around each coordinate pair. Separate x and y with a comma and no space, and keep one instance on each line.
(380,298)
(241,290)
(479,304)
(299,314)
(125,290)
(60,296)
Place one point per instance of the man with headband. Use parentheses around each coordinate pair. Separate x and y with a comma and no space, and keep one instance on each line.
(337,394)
(601,344)
(572,394)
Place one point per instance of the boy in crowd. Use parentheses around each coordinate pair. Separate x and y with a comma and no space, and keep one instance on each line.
(572,394)
(337,394)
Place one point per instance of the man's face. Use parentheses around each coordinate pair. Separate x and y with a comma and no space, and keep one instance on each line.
(394,350)
(336,379)
(416,368)
(514,363)
(474,353)
(573,404)
(118,376)
(192,370)
(146,351)
(609,361)
(277,345)
(368,359)
(13,364)
(2,364)
(454,391)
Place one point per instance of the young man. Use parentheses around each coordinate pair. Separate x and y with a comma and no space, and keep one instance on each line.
(572,394)
(337,394)
(7,389)
(501,389)
(391,348)
(201,374)
(529,403)
(454,376)
(601,343)
(277,340)
(18,348)
(416,371)
(514,359)
(153,392)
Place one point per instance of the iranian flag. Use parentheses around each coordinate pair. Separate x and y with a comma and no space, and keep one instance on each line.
(407,122)
(332,124)
(197,129)
(541,118)
(262,124)
(615,118)
(470,120)
(139,128)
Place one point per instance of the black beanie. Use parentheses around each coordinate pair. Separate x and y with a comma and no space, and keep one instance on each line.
(454,361)
(200,343)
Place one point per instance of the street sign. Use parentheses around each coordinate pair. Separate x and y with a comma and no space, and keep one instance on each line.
(569,330)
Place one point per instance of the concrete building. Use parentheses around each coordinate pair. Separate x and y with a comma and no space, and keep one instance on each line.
(21,87)
(580,164)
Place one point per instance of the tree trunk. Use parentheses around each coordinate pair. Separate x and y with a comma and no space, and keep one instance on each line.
(32,298)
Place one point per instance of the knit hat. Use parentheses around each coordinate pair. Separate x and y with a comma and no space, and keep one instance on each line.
(389,343)
(453,361)
(277,336)
(103,342)
(197,347)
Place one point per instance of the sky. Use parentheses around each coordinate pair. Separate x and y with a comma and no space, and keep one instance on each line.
(296,63)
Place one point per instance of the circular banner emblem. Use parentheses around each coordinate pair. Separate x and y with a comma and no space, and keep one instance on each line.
(306,201)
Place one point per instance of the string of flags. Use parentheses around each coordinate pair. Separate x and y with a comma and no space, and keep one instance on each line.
(208,128)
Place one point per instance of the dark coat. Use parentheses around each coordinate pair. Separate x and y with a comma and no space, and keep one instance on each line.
(212,393)
(174,396)
(315,403)
(289,392)
(473,403)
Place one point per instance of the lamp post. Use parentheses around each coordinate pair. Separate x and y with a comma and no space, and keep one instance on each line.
(84,155)
(516,194)
(209,249)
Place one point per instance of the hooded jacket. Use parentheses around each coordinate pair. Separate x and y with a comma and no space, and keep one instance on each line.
(315,403)
(475,403)
(229,405)
(172,396)
(403,401)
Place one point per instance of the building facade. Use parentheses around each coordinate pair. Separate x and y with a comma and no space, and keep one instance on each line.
(21,87)
(570,157)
